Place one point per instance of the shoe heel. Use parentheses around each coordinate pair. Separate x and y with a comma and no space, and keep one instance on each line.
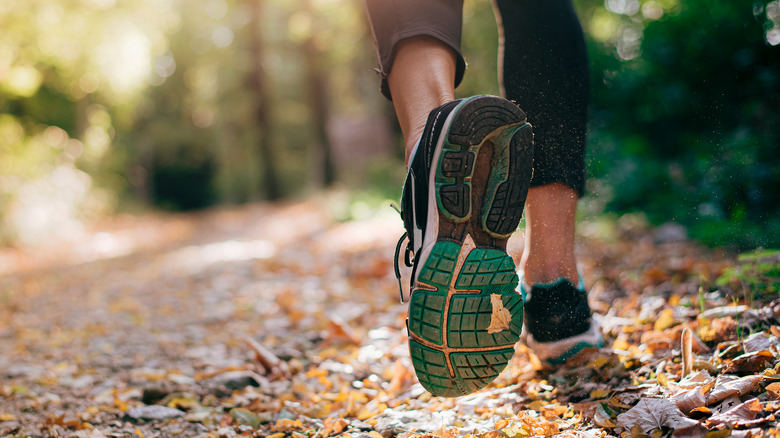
(509,179)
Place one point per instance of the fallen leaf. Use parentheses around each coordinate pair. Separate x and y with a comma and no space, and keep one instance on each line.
(722,433)
(401,380)
(501,317)
(691,399)
(654,413)
(692,431)
(341,329)
(773,390)
(554,411)
(761,341)
(736,387)
(750,362)
(602,419)
(334,426)
(740,415)
(702,378)
(665,320)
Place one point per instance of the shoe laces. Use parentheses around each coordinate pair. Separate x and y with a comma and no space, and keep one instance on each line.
(408,260)
(408,256)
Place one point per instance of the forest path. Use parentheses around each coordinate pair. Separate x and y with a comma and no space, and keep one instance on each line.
(279,319)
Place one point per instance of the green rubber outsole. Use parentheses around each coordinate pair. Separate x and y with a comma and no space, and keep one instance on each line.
(450,312)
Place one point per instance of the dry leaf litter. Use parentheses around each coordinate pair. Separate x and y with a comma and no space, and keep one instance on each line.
(277,320)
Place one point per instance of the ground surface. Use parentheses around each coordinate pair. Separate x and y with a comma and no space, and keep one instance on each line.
(279,320)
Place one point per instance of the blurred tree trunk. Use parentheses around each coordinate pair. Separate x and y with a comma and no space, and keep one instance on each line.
(258,82)
(323,170)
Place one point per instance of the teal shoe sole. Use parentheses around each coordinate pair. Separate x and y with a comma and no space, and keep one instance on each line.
(451,347)
(464,314)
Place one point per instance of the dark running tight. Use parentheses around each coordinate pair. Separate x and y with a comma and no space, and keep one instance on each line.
(543,67)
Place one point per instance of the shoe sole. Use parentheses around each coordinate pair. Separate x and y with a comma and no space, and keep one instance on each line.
(558,352)
(484,161)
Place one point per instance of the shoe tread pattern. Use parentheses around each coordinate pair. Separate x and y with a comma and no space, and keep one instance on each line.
(477,120)
(467,358)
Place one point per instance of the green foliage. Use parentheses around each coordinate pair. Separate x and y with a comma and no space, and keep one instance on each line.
(686,115)
(756,272)
(108,104)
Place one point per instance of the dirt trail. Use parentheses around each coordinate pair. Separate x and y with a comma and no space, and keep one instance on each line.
(278,319)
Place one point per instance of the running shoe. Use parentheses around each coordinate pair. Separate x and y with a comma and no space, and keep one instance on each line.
(558,321)
(462,199)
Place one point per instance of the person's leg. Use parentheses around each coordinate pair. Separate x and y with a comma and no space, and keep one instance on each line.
(419,87)
(463,197)
(544,68)
(549,235)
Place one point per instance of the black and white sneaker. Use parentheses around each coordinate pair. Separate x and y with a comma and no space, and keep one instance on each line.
(463,198)
(558,321)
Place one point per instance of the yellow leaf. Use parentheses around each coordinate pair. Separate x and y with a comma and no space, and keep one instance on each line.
(723,433)
(621,344)
(614,401)
(636,432)
(599,362)
(602,420)
(7,417)
(501,317)
(316,372)
(599,393)
(665,320)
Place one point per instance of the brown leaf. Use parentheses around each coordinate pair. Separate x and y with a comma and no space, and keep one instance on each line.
(736,387)
(750,363)
(340,329)
(501,317)
(693,431)
(761,341)
(740,415)
(701,379)
(334,426)
(401,380)
(689,400)
(773,390)
(654,413)
(718,330)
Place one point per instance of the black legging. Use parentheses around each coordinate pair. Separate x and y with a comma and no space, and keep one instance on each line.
(543,63)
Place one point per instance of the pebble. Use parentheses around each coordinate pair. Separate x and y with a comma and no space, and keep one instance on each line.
(153,412)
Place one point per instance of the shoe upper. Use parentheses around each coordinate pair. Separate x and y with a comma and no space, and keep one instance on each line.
(556,311)
(414,197)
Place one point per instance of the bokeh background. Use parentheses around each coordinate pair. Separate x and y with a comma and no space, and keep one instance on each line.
(127,106)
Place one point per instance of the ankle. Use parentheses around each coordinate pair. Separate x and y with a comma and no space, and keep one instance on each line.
(536,272)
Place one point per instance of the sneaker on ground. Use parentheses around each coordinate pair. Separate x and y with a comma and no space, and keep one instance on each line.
(558,321)
(462,199)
